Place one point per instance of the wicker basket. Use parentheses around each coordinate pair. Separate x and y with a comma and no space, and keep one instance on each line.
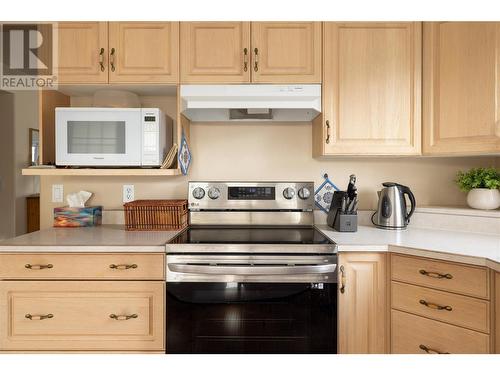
(161,214)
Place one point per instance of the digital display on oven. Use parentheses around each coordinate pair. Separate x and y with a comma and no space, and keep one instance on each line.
(251,192)
(149,118)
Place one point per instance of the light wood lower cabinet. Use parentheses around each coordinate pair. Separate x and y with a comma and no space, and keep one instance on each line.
(467,312)
(363,308)
(117,266)
(439,307)
(412,334)
(447,276)
(78,316)
(497,312)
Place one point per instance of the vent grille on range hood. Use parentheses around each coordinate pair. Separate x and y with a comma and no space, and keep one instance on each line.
(209,103)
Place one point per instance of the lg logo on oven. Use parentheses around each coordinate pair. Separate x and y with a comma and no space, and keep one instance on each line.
(28,55)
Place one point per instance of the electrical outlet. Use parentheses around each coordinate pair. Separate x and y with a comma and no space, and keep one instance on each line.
(57,193)
(128,193)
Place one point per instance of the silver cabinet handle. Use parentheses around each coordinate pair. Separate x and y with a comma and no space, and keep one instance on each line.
(251,270)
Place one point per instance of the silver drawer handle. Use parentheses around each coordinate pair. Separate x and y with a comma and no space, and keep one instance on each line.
(39,317)
(251,270)
(123,317)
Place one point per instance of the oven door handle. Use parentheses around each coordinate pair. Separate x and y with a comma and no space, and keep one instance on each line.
(250,270)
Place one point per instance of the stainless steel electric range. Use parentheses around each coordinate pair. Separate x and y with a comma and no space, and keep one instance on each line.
(251,274)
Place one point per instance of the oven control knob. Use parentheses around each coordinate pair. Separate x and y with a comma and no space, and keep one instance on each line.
(198,193)
(214,193)
(289,193)
(304,193)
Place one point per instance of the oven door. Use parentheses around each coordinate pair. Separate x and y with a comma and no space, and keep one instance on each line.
(98,136)
(240,304)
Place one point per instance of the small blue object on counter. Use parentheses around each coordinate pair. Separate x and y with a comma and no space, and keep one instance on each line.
(74,217)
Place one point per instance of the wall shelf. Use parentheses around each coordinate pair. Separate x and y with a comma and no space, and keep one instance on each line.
(99,172)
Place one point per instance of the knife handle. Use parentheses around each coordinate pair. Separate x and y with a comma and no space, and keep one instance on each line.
(343,206)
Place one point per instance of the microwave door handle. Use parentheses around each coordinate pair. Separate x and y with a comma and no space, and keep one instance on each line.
(255,270)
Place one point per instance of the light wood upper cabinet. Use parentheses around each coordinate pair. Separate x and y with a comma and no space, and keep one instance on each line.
(363,306)
(461,88)
(215,52)
(371,89)
(286,52)
(83,49)
(146,52)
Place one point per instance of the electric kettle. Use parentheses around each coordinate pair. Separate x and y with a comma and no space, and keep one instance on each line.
(392,212)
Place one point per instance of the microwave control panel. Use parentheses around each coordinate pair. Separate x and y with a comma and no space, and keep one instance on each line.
(153,136)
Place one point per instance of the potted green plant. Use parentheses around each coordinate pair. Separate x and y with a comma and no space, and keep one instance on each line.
(481,186)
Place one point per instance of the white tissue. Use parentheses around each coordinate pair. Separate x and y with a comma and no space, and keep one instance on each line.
(78,199)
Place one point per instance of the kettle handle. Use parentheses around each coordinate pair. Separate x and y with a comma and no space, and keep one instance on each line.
(406,190)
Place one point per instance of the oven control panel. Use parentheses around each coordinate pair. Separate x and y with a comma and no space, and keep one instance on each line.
(243,196)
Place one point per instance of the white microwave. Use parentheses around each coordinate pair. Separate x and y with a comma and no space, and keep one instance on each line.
(107,137)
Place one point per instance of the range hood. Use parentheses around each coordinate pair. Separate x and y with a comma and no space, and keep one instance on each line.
(210,103)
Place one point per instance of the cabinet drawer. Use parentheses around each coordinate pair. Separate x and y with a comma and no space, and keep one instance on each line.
(451,308)
(71,315)
(411,334)
(450,277)
(82,266)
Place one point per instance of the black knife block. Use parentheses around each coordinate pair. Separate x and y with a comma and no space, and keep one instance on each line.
(336,219)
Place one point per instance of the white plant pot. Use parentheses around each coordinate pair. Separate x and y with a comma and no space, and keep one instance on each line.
(484,199)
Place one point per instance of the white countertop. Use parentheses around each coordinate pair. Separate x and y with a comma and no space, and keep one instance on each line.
(103,238)
(467,247)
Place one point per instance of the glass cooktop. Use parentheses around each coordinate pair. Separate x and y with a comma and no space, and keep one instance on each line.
(251,235)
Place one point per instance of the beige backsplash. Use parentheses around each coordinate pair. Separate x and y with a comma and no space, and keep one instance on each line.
(275,152)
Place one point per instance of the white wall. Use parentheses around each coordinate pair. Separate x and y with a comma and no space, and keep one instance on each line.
(25,117)
(18,113)
(7,203)
(276,152)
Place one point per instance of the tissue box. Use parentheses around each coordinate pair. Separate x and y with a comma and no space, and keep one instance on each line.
(77,217)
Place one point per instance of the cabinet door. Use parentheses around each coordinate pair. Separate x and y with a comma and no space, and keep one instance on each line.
(461,88)
(286,52)
(75,315)
(215,52)
(371,89)
(83,47)
(497,312)
(145,52)
(362,304)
